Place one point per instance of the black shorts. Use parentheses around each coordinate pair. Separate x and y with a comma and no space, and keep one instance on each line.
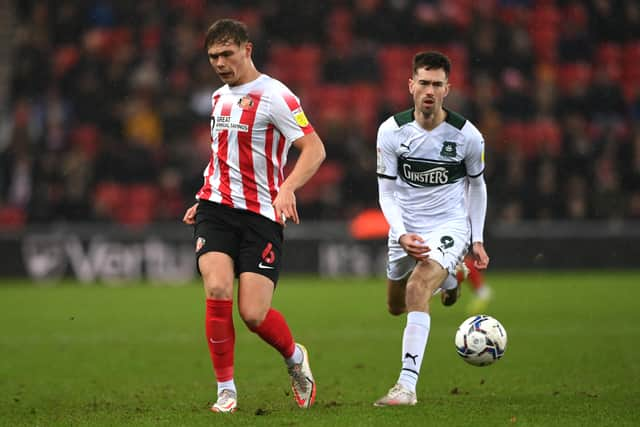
(253,242)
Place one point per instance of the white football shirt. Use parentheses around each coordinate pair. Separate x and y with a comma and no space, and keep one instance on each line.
(430,168)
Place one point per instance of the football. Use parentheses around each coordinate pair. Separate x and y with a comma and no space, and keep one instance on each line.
(481,340)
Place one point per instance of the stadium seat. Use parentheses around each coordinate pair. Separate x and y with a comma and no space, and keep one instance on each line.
(86,138)
(513,134)
(545,43)
(12,217)
(608,52)
(569,75)
(140,206)
(459,57)
(395,61)
(331,103)
(107,199)
(327,178)
(609,56)
(541,136)
(457,12)
(631,61)
(365,100)
(295,65)
(545,15)
(631,52)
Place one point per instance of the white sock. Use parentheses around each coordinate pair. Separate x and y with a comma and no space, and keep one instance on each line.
(414,341)
(227,385)
(295,358)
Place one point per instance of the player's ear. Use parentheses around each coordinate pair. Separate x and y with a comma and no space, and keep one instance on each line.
(248,49)
(410,83)
(447,86)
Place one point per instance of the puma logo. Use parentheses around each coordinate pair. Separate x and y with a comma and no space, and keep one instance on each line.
(413,357)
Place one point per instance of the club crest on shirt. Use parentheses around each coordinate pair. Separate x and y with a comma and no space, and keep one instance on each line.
(448,149)
(246,102)
(200,243)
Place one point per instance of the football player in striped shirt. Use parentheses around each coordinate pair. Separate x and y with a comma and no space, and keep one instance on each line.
(433,195)
(243,204)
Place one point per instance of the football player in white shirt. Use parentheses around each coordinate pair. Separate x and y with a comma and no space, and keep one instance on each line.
(243,205)
(433,195)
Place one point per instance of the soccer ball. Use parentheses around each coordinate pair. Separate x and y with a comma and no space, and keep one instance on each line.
(481,340)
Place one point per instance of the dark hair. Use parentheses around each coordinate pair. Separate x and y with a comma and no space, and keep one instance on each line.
(431,61)
(226,30)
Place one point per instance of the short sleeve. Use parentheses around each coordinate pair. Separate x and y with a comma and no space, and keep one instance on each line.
(287,115)
(387,160)
(474,161)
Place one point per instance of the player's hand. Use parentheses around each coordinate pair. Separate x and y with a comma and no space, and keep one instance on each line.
(285,206)
(480,257)
(190,215)
(414,246)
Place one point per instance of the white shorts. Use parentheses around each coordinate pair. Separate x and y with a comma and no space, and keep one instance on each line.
(448,247)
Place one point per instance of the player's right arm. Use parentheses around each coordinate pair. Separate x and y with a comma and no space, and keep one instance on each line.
(190,215)
(386,170)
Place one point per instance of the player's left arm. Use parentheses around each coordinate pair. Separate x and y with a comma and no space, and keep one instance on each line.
(477,197)
(312,154)
(477,200)
(287,115)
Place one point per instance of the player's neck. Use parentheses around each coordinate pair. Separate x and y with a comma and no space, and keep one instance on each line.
(248,76)
(431,121)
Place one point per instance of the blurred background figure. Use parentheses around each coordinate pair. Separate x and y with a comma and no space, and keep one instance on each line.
(481,293)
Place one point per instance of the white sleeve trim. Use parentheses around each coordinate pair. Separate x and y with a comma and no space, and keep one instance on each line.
(477,198)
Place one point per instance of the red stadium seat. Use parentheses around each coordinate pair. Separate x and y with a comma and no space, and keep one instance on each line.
(545,43)
(12,217)
(608,52)
(609,56)
(569,75)
(542,136)
(86,137)
(513,133)
(545,15)
(107,199)
(458,12)
(296,65)
(631,52)
(364,99)
(331,104)
(327,178)
(141,205)
(394,62)
(631,61)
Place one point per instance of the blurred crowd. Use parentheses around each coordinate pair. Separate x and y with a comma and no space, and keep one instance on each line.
(108,109)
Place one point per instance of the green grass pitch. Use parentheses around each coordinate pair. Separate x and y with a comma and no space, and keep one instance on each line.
(88,355)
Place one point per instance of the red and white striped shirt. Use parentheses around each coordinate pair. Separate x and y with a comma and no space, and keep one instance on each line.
(252,128)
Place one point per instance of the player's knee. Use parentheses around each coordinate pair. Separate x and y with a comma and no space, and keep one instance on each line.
(252,318)
(216,289)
